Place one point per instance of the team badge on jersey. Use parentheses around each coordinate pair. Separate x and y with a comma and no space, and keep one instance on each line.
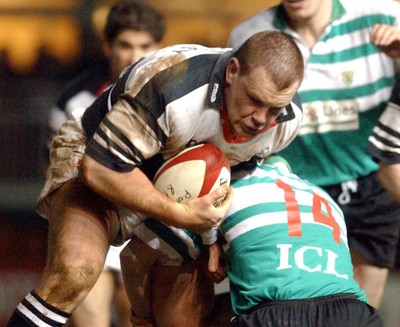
(347,77)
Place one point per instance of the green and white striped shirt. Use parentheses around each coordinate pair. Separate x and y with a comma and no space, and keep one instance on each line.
(286,239)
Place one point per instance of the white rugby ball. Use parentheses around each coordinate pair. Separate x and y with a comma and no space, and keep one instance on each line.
(193,172)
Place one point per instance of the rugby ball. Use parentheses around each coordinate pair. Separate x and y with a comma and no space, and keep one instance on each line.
(193,172)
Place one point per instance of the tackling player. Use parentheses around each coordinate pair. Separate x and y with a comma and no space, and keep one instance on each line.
(287,258)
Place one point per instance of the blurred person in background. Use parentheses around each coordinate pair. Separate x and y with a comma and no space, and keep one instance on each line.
(133,29)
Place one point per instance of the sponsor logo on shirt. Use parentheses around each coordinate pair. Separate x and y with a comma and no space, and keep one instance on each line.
(309,258)
(326,116)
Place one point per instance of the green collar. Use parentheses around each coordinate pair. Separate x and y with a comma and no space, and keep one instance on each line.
(337,10)
(280,18)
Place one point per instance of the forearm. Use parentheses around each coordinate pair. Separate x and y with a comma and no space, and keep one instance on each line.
(132,190)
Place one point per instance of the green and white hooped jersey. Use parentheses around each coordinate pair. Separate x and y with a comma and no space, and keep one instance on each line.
(286,239)
(346,86)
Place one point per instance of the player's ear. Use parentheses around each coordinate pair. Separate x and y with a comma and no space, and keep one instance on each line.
(232,70)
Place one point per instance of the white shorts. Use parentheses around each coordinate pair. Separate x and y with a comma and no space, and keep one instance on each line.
(112,260)
(178,245)
(66,152)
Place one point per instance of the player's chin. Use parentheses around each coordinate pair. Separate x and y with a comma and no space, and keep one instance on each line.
(248,132)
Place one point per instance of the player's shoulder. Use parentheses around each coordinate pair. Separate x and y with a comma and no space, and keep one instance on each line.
(256,23)
(183,50)
(169,56)
(174,64)
(368,3)
(180,52)
(196,48)
(258,19)
(90,80)
(293,112)
(363,8)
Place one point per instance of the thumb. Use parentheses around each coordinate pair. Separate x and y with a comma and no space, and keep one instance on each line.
(217,196)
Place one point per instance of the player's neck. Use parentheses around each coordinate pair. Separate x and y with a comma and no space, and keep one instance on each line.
(312,28)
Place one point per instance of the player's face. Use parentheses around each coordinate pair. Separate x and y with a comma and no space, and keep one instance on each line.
(127,48)
(252,101)
(304,10)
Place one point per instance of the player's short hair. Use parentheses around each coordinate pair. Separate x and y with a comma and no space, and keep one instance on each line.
(277,52)
(134,15)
